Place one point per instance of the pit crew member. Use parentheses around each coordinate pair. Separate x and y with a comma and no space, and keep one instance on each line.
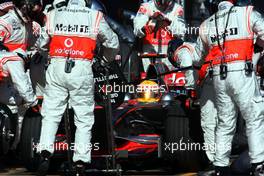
(226,43)
(69,77)
(157,22)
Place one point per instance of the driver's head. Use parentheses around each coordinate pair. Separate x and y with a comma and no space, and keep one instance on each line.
(30,9)
(5,5)
(163,4)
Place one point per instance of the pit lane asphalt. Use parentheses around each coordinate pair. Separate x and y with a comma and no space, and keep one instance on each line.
(10,166)
(23,172)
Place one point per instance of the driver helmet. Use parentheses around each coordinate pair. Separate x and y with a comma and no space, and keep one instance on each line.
(148,92)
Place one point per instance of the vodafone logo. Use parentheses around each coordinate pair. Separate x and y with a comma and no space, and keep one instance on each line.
(177,80)
(68,42)
(180,80)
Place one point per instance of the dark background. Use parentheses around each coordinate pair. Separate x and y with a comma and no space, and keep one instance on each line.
(192,8)
(133,4)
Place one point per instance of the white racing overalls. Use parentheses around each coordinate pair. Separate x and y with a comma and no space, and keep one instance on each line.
(238,88)
(15,88)
(14,34)
(159,44)
(208,114)
(72,32)
(184,57)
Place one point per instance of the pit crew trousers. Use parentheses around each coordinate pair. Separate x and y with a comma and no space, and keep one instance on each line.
(77,89)
(241,90)
(208,117)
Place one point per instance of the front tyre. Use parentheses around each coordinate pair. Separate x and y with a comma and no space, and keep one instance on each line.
(180,145)
(29,139)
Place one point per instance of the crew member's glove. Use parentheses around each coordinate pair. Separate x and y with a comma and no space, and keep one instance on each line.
(98,67)
(157,15)
(26,60)
(101,66)
(36,106)
(260,67)
(162,21)
(173,45)
(34,57)
(257,48)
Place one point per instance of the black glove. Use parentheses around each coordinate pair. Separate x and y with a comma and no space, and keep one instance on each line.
(260,67)
(37,107)
(257,48)
(26,61)
(3,47)
(97,67)
(36,58)
(172,47)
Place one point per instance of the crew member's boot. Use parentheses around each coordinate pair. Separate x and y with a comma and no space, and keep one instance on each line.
(222,171)
(80,168)
(44,163)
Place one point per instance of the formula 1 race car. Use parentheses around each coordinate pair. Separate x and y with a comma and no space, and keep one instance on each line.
(148,125)
(157,121)
(165,111)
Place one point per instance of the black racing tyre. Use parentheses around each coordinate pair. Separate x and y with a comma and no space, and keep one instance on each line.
(179,146)
(7,129)
(29,139)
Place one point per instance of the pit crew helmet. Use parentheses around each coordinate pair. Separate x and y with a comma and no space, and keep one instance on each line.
(243,2)
(86,3)
(163,4)
(214,4)
(29,8)
(6,4)
(98,5)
